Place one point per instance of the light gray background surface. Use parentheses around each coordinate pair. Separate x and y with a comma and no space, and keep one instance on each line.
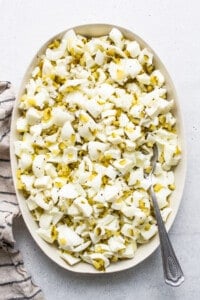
(172,28)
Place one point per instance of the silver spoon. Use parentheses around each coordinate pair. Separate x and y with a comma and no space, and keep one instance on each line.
(173,273)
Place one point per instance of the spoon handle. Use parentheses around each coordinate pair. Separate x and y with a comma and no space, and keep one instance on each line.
(173,273)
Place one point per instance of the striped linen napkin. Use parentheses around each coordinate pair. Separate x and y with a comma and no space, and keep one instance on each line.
(15,283)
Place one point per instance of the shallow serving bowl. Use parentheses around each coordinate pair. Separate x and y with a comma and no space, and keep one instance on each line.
(145,250)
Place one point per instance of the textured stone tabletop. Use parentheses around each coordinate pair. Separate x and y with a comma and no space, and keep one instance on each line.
(172,28)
